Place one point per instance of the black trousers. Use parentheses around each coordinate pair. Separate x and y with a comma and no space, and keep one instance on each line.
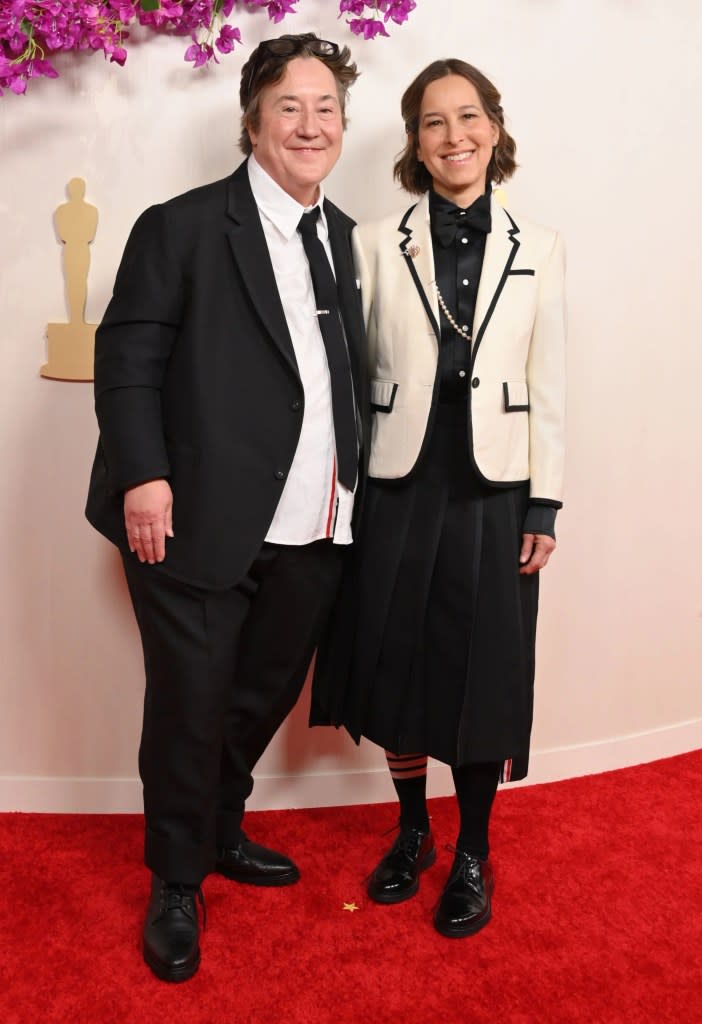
(223,669)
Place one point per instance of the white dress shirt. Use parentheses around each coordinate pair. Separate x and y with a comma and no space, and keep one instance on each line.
(313,504)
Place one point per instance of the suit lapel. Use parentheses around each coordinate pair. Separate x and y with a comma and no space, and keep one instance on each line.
(416,248)
(250,252)
(500,249)
(339,228)
(349,299)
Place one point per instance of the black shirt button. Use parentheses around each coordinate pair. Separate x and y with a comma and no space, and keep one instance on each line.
(475,382)
(297,404)
(279,474)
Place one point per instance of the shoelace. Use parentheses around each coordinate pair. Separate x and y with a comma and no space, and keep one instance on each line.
(403,844)
(174,897)
(468,866)
(400,844)
(466,869)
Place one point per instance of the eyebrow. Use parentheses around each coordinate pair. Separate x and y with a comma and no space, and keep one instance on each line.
(321,99)
(437,113)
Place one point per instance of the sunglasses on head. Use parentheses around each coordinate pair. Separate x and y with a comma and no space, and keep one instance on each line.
(287,46)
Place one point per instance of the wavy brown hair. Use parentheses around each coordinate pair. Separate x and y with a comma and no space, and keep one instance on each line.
(266,67)
(408,170)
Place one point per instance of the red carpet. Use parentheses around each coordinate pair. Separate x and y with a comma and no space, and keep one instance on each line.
(597,918)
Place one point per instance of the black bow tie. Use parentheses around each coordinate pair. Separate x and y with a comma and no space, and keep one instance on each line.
(448,219)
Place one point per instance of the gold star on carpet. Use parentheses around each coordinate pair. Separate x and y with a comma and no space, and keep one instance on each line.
(351,907)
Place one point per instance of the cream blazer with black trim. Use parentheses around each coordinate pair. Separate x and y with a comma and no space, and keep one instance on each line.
(518,348)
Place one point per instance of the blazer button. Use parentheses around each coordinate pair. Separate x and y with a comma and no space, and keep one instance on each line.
(475,382)
(279,474)
(297,404)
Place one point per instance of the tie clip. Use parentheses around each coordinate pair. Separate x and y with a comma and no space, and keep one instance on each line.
(321,312)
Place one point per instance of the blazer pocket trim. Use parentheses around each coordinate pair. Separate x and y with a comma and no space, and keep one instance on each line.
(525,272)
(382,394)
(516,394)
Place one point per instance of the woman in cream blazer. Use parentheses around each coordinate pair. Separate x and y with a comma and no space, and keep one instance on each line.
(433,651)
(517,371)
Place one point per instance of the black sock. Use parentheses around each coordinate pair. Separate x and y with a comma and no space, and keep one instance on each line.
(476,785)
(409,776)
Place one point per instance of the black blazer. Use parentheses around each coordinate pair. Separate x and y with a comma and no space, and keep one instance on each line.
(196,378)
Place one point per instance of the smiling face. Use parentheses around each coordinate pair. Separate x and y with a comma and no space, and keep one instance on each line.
(298,139)
(455,138)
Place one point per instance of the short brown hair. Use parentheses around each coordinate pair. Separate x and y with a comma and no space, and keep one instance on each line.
(266,66)
(413,175)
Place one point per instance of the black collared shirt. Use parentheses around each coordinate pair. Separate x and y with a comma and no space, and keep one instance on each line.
(458,267)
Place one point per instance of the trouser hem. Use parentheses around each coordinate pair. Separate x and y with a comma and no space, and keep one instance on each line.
(177,862)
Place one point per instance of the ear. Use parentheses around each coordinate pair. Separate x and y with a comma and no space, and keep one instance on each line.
(253,136)
(495,133)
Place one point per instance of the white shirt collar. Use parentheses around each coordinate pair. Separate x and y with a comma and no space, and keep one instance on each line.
(275,203)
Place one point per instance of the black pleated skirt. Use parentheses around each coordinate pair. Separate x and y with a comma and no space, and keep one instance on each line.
(431,649)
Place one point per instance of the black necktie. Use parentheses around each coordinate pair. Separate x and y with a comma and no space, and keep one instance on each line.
(447,219)
(329,317)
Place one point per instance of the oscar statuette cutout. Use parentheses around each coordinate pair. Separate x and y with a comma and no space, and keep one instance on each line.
(71,345)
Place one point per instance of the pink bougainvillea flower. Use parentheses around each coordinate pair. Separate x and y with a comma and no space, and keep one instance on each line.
(398,10)
(227,38)
(124,10)
(36,68)
(277,9)
(18,42)
(369,28)
(118,55)
(199,53)
(54,8)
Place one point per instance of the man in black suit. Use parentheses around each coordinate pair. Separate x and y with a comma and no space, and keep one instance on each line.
(230,397)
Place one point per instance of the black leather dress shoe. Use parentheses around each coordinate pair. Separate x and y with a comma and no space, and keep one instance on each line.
(396,877)
(172,931)
(465,905)
(256,865)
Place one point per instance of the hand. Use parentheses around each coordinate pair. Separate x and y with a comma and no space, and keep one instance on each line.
(148,518)
(535,553)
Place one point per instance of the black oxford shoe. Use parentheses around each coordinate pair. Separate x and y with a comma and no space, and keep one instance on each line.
(396,877)
(465,904)
(256,865)
(172,931)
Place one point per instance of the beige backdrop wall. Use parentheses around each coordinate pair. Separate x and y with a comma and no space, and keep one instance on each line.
(604,99)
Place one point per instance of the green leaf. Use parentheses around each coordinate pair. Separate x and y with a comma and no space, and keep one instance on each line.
(149,5)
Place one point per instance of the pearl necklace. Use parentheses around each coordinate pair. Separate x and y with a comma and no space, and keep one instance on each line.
(447,314)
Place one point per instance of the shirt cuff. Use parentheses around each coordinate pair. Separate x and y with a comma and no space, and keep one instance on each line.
(540,519)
